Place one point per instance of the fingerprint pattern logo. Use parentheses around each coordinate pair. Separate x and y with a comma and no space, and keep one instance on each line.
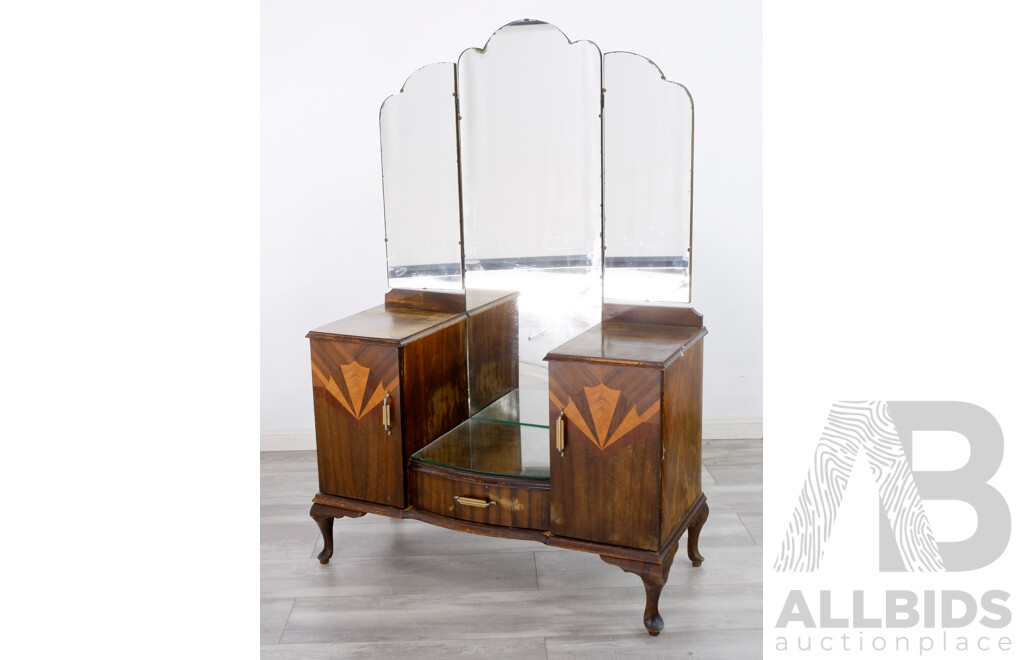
(854,426)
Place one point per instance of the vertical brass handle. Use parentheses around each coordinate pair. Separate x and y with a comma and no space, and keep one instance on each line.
(560,433)
(387,412)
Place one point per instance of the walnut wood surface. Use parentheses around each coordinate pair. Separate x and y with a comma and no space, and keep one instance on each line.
(356,457)
(385,326)
(632,554)
(523,506)
(480,299)
(622,313)
(493,352)
(439,301)
(434,389)
(682,406)
(607,486)
(628,344)
(692,522)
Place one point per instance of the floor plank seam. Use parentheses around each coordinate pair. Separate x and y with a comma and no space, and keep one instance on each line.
(286,620)
(749,533)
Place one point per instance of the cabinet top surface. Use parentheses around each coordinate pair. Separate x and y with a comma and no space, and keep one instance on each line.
(640,344)
(388,326)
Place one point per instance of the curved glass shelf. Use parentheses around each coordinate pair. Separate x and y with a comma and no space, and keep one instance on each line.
(491,447)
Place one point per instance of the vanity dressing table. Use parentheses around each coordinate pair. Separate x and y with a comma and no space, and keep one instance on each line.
(535,371)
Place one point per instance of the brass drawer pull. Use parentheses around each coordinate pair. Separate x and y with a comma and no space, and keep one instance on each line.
(560,433)
(387,412)
(472,501)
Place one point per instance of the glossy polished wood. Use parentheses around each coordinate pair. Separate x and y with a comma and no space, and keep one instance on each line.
(650,314)
(627,485)
(438,301)
(683,410)
(434,388)
(606,485)
(522,503)
(493,331)
(481,299)
(628,344)
(357,457)
(380,325)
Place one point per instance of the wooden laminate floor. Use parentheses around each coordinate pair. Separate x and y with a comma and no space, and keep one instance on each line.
(403,588)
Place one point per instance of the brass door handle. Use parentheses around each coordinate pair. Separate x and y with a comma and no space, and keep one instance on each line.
(560,433)
(387,412)
(472,501)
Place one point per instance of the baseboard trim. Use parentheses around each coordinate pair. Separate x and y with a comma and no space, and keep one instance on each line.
(287,439)
(732,428)
(715,428)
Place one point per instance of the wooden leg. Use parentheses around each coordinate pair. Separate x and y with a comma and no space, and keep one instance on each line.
(654,577)
(324,517)
(693,533)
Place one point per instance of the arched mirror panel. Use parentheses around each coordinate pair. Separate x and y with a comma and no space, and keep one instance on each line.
(419,161)
(648,137)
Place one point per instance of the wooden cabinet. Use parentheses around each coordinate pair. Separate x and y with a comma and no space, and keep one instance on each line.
(386,382)
(355,391)
(625,409)
(606,480)
(402,430)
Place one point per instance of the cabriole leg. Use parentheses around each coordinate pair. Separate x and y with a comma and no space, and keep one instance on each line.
(654,577)
(693,533)
(324,517)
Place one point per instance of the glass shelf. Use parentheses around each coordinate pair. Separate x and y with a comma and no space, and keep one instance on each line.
(491,447)
(527,406)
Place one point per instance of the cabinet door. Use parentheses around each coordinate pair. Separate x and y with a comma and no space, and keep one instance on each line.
(358,457)
(606,484)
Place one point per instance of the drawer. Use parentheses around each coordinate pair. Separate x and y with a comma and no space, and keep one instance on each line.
(481,498)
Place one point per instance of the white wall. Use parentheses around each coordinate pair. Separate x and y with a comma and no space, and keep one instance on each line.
(326,68)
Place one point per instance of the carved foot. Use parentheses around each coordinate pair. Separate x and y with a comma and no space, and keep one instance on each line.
(654,577)
(652,618)
(326,525)
(324,517)
(693,534)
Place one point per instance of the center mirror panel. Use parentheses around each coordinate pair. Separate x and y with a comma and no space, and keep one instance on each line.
(530,135)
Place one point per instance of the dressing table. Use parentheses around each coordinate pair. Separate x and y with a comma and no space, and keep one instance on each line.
(535,371)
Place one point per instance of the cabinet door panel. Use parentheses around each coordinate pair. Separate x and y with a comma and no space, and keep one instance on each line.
(356,455)
(607,485)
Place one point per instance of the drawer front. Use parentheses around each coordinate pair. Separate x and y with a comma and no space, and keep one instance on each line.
(358,456)
(508,506)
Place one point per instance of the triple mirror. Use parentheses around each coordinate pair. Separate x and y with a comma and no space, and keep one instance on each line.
(540,165)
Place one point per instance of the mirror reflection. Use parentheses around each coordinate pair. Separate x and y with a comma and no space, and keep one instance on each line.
(419,159)
(648,132)
(530,128)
